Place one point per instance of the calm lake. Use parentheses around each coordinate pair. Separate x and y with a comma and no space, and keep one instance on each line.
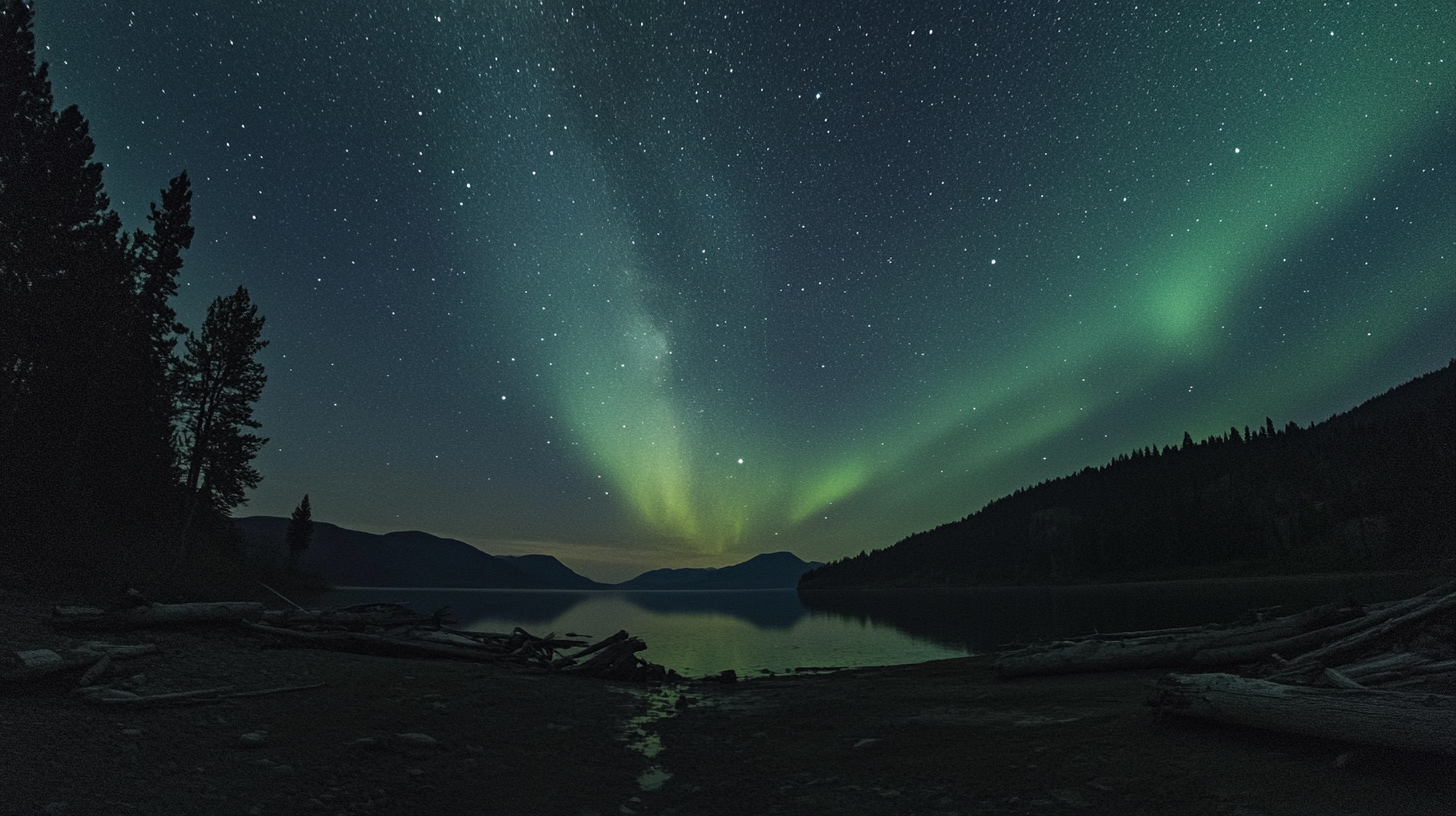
(755,631)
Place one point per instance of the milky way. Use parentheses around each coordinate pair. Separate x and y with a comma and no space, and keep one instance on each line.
(668,285)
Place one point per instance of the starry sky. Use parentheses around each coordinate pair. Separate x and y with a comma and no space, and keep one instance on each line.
(671,284)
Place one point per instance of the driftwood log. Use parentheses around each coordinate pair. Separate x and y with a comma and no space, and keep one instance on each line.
(111,696)
(1333,629)
(366,643)
(86,617)
(1363,674)
(1394,719)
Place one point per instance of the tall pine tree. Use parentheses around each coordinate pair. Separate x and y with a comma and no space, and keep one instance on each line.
(80,464)
(220,382)
(300,530)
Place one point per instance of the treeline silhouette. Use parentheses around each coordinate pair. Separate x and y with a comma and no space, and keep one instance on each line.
(1374,487)
(120,459)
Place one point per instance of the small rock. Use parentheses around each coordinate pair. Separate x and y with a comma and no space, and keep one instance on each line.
(414,738)
(132,732)
(415,772)
(57,808)
(728,676)
(252,739)
(364,742)
(1342,759)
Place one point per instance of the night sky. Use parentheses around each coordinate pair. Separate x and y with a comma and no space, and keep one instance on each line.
(652,284)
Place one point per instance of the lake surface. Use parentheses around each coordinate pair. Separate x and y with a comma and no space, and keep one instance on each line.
(754,631)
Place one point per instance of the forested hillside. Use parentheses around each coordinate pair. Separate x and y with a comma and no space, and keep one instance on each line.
(1373,487)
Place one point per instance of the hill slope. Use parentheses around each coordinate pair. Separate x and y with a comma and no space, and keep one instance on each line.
(406,559)
(556,574)
(1372,487)
(778,570)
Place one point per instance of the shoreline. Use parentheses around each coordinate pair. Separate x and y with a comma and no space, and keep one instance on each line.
(1425,574)
(940,737)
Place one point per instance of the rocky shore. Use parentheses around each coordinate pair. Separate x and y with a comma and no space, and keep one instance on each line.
(404,736)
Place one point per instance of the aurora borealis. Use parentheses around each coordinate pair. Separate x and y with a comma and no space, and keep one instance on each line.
(650,284)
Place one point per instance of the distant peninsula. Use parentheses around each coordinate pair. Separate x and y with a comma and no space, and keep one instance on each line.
(1372,488)
(344,557)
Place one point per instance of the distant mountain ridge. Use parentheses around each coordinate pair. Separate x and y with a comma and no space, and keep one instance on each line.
(765,571)
(412,558)
(1374,487)
(547,568)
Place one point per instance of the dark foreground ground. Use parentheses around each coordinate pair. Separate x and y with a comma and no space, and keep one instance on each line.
(934,738)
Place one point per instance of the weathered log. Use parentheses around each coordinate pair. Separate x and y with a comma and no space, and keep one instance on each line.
(97,669)
(169,697)
(450,638)
(605,660)
(156,615)
(377,644)
(1224,654)
(1329,626)
(1283,630)
(278,690)
(1339,680)
(1443,667)
(1401,661)
(1443,679)
(119,650)
(1372,632)
(621,635)
(1393,719)
(1160,652)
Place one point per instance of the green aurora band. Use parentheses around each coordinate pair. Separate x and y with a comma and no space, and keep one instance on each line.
(1152,271)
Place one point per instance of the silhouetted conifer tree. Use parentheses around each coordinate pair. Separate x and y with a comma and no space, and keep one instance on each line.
(74,440)
(300,530)
(220,382)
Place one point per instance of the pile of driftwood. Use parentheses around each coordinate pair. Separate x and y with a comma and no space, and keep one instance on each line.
(1381,673)
(394,629)
(386,629)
